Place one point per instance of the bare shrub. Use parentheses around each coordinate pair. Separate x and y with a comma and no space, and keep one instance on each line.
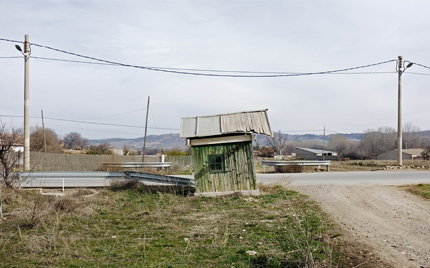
(289,169)
(9,159)
(39,211)
(125,184)
(80,192)
(66,204)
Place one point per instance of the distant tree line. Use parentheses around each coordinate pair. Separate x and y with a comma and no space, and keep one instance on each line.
(373,143)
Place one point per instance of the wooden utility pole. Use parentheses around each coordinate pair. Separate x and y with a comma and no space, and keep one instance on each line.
(146,131)
(43,127)
(323,144)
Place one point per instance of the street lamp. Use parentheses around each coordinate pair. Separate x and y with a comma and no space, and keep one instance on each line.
(26,53)
(400,68)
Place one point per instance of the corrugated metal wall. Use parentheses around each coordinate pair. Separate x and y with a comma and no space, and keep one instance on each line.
(239,168)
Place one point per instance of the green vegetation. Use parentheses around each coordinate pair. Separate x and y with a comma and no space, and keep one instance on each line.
(128,225)
(422,190)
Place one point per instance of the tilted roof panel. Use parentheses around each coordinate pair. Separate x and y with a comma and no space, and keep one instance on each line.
(215,125)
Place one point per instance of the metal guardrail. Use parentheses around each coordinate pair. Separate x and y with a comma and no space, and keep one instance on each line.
(58,179)
(137,165)
(160,179)
(273,163)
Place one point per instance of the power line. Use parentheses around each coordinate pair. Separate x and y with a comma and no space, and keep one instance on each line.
(417,73)
(93,123)
(117,114)
(182,71)
(198,71)
(10,40)
(189,71)
(98,130)
(285,131)
(202,70)
(104,124)
(421,65)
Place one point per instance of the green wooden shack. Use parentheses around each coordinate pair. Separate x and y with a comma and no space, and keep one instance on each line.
(221,146)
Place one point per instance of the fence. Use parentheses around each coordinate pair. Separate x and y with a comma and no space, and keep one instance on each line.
(80,162)
(180,160)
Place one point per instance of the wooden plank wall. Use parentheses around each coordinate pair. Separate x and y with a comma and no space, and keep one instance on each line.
(239,165)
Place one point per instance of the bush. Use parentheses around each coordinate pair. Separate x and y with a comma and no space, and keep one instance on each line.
(176,151)
(289,169)
(265,152)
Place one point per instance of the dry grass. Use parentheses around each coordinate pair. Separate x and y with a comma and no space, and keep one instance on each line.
(131,225)
(367,165)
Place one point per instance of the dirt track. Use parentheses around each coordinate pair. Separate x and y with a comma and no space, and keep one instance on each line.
(393,223)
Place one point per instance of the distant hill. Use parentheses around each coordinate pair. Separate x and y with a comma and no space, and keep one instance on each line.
(164,141)
(171,141)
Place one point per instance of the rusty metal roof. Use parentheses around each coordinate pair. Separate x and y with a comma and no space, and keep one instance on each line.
(222,124)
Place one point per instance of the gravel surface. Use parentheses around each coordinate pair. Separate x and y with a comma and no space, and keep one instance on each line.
(393,223)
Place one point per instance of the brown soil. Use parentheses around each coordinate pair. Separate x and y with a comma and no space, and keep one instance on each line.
(389,223)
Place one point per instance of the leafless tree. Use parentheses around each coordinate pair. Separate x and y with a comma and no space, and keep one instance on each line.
(375,142)
(411,136)
(338,143)
(278,142)
(74,140)
(9,158)
(37,140)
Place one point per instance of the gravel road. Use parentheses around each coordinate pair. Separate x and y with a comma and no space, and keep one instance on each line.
(392,222)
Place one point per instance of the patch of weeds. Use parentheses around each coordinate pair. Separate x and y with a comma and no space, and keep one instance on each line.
(131,225)
(421,189)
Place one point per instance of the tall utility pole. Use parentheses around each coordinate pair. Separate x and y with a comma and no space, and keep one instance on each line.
(400,70)
(26,54)
(146,131)
(399,116)
(44,136)
(27,103)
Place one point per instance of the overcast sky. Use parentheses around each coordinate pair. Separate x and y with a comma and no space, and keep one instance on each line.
(258,36)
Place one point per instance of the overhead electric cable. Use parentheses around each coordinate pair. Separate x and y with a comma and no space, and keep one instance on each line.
(98,130)
(104,124)
(10,40)
(208,74)
(92,123)
(421,65)
(201,70)
(198,71)
(301,130)
(417,73)
(117,114)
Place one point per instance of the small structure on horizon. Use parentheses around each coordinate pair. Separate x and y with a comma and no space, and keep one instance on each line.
(221,146)
(406,154)
(315,154)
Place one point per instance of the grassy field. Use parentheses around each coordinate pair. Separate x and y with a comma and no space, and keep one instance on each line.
(129,226)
